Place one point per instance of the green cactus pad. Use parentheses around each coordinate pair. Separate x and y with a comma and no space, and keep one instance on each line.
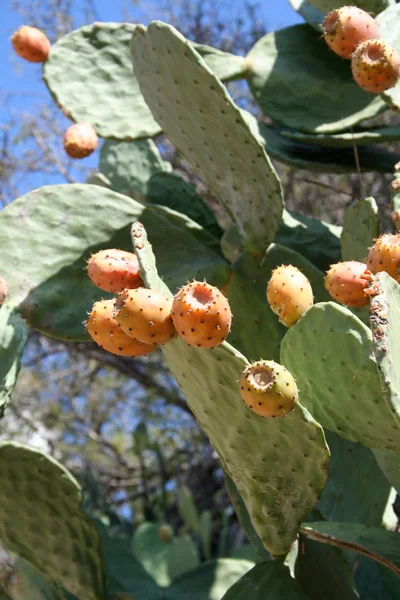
(390,466)
(316,240)
(99,179)
(129,165)
(224,65)
(384,312)
(395,198)
(266,581)
(372,6)
(244,519)
(174,192)
(323,159)
(312,15)
(256,330)
(360,136)
(13,335)
(376,582)
(42,521)
(163,560)
(360,228)
(389,32)
(357,491)
(124,572)
(167,67)
(100,88)
(250,445)
(87,218)
(324,572)
(313,77)
(208,581)
(329,351)
(374,542)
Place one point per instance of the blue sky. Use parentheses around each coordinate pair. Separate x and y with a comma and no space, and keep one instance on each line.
(20,85)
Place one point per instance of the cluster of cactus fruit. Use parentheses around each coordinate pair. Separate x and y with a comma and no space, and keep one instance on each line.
(283,316)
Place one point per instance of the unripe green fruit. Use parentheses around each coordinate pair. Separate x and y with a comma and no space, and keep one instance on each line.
(268,388)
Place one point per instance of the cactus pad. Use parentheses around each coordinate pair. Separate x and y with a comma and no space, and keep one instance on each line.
(101,88)
(314,77)
(329,351)
(360,136)
(372,6)
(389,32)
(390,466)
(128,166)
(42,521)
(360,228)
(87,218)
(384,312)
(13,335)
(234,165)
(270,580)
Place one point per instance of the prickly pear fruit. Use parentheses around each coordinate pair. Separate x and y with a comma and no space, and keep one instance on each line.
(268,388)
(375,66)
(201,315)
(106,332)
(385,255)
(165,533)
(31,44)
(80,140)
(346,282)
(114,270)
(346,27)
(145,315)
(3,290)
(289,294)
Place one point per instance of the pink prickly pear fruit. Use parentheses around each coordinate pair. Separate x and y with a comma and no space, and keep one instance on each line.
(375,66)
(346,27)
(268,388)
(80,140)
(201,315)
(289,294)
(3,290)
(114,270)
(105,331)
(31,44)
(346,282)
(385,255)
(145,315)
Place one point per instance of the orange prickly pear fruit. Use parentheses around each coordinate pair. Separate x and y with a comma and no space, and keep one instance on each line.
(105,331)
(201,315)
(289,294)
(268,388)
(31,44)
(385,255)
(145,315)
(346,282)
(375,66)
(114,270)
(80,140)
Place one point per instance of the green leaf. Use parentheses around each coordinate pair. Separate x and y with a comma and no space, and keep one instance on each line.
(13,335)
(324,573)
(329,351)
(286,83)
(87,218)
(373,542)
(243,179)
(100,87)
(209,581)
(266,581)
(360,228)
(129,165)
(43,522)
(356,491)
(174,192)
(125,572)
